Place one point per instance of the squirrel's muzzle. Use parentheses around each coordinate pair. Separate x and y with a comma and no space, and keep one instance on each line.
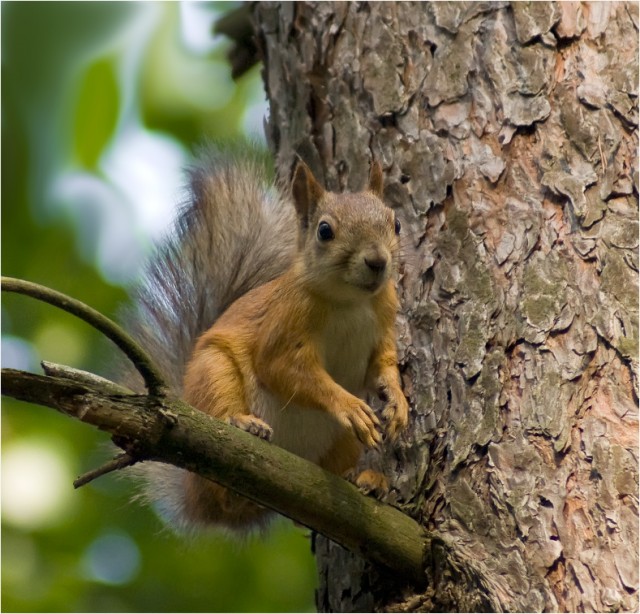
(377,264)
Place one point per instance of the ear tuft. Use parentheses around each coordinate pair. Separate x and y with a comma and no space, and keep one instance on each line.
(306,191)
(376,180)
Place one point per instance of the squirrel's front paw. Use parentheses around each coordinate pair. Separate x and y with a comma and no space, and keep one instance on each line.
(356,416)
(395,412)
(252,424)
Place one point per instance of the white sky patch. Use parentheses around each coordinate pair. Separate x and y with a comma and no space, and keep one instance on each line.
(196,24)
(18,354)
(254,118)
(118,215)
(102,218)
(36,484)
(147,168)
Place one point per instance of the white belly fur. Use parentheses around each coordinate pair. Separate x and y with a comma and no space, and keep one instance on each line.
(309,433)
(347,343)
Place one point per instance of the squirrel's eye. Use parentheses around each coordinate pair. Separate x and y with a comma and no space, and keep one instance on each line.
(325,232)
(397,226)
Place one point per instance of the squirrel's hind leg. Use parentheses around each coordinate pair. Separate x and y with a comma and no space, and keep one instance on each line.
(343,455)
(342,459)
(209,504)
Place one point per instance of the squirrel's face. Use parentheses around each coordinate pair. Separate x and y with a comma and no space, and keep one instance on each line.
(350,247)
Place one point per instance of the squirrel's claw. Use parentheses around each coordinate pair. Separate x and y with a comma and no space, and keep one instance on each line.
(362,421)
(251,424)
(396,414)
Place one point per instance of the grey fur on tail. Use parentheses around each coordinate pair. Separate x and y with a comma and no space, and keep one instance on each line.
(236,231)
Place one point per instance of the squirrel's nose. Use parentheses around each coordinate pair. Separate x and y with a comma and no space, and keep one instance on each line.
(377,264)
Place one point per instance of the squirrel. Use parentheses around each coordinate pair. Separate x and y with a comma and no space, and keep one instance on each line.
(276,314)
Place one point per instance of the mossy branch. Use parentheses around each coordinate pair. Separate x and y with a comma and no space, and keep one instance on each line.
(168,430)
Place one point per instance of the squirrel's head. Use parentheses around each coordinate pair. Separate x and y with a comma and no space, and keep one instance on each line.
(348,242)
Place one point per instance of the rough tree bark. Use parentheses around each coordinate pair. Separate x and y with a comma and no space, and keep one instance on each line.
(508,134)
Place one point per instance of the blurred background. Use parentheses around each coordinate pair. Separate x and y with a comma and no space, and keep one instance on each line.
(102,106)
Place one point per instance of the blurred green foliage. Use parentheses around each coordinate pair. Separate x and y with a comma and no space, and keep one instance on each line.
(75,78)
(97,112)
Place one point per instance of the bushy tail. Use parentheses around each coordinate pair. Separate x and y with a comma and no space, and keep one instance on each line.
(236,232)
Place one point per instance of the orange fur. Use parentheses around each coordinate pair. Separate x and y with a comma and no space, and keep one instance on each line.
(297,354)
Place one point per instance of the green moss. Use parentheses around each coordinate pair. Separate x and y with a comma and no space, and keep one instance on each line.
(490,386)
(618,280)
(480,284)
(468,508)
(472,342)
(458,223)
(544,291)
(540,310)
(628,347)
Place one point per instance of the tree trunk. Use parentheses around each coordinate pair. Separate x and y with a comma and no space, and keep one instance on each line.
(508,135)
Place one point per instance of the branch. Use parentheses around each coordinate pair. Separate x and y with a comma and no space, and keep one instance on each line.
(82,377)
(143,363)
(119,462)
(170,431)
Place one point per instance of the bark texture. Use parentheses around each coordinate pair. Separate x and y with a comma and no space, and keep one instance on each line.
(508,135)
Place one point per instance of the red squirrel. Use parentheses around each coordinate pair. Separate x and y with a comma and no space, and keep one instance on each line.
(282,337)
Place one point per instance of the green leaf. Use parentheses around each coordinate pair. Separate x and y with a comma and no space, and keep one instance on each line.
(96,112)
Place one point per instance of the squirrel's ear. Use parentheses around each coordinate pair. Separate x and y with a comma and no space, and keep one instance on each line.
(376,181)
(307,192)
